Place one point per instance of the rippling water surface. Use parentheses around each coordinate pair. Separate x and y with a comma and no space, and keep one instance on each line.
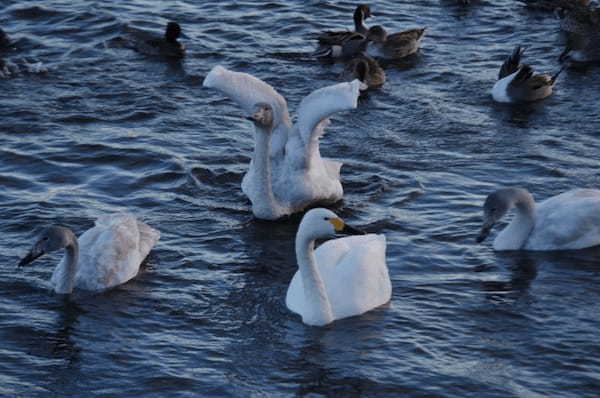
(96,129)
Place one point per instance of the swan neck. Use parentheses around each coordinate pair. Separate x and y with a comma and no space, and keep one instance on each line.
(318,307)
(262,168)
(516,234)
(66,280)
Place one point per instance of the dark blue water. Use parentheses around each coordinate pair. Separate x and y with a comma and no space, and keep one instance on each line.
(94,128)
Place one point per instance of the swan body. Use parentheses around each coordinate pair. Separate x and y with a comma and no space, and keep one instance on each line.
(286,158)
(570,220)
(107,255)
(343,277)
(518,83)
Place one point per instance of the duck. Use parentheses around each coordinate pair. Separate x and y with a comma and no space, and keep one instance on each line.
(519,83)
(579,19)
(343,277)
(287,173)
(553,5)
(581,48)
(341,43)
(570,220)
(393,46)
(367,70)
(166,46)
(107,255)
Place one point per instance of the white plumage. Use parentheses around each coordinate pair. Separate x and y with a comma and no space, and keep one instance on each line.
(299,176)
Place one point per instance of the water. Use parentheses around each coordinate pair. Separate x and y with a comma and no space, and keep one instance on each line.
(105,129)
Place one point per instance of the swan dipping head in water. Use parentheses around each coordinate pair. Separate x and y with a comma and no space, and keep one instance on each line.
(343,277)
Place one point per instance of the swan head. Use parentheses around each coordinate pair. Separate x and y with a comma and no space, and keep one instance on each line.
(322,223)
(172,32)
(262,116)
(51,239)
(377,34)
(496,205)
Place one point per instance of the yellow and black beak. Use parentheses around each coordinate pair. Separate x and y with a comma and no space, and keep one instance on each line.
(342,228)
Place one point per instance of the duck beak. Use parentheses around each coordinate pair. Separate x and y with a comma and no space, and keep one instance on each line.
(485,231)
(31,256)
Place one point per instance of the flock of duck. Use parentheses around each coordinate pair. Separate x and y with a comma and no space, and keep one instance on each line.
(346,276)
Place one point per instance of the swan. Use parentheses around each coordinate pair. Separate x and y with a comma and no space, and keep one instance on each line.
(104,256)
(286,161)
(343,277)
(570,220)
(518,83)
(394,46)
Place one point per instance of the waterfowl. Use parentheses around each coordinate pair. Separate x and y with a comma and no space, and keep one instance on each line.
(351,46)
(342,277)
(518,83)
(581,48)
(104,256)
(286,173)
(570,220)
(330,43)
(394,46)
(580,20)
(367,70)
(552,5)
(167,46)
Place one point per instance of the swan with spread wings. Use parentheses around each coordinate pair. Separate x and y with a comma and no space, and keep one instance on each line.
(287,173)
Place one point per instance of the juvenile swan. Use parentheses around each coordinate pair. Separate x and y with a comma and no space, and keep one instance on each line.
(518,83)
(286,173)
(105,256)
(570,220)
(343,277)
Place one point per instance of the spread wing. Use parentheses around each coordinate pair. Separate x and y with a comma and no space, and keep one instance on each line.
(322,103)
(246,91)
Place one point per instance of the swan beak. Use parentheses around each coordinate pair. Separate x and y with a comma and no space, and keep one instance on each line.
(485,231)
(342,228)
(32,255)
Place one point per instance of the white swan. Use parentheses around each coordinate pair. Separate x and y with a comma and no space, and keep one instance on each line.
(298,175)
(343,277)
(104,256)
(570,220)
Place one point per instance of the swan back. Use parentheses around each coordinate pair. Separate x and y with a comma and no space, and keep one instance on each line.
(111,252)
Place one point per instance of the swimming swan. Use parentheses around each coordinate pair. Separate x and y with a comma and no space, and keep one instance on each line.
(343,277)
(286,173)
(570,220)
(105,256)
